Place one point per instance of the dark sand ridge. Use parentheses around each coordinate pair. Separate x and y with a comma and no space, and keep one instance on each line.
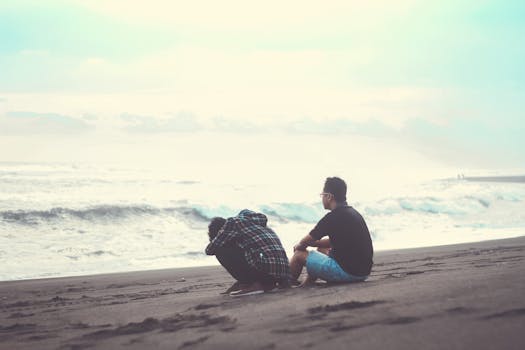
(469,296)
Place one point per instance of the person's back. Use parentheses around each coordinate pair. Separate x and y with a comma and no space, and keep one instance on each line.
(350,240)
(261,244)
(250,251)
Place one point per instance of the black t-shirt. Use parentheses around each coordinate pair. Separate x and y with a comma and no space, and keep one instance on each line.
(349,238)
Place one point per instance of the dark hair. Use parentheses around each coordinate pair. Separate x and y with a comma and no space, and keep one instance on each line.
(214,226)
(337,187)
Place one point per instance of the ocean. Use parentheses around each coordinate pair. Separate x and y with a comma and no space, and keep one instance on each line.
(64,219)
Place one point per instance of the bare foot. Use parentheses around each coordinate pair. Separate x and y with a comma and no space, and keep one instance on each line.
(308,282)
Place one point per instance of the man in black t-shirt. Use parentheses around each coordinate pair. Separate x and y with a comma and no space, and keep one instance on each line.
(346,255)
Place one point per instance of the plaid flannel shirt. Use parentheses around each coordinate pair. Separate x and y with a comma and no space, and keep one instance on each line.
(262,248)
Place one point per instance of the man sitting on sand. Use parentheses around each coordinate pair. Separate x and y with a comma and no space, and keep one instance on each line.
(346,255)
(250,251)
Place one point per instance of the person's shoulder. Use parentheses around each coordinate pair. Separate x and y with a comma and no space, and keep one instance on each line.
(354,213)
(329,216)
(354,210)
(346,211)
(250,216)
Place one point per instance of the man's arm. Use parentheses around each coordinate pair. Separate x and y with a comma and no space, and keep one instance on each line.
(307,241)
(315,237)
(225,235)
(323,243)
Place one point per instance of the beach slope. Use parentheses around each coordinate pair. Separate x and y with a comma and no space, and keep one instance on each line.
(451,297)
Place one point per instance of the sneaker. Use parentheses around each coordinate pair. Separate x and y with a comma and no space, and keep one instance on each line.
(270,287)
(235,287)
(255,288)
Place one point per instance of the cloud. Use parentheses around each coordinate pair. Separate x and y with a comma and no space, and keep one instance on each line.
(31,123)
(223,124)
(338,127)
(223,46)
(461,142)
(388,43)
(179,122)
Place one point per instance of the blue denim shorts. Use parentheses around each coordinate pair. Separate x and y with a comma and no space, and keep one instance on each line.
(326,268)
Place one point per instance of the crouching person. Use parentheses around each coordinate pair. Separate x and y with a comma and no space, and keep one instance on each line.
(250,251)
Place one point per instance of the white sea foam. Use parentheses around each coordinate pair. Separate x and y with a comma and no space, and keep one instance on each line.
(63,219)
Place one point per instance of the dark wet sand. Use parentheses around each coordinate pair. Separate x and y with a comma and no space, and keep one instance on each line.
(469,296)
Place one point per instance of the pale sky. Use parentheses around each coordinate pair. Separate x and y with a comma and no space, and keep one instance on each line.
(444,79)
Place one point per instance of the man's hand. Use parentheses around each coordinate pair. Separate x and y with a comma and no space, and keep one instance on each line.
(299,246)
(307,241)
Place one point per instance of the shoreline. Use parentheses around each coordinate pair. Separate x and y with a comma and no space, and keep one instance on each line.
(185,268)
(457,296)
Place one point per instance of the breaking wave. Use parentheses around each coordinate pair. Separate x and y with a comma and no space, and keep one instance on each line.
(104,213)
(428,205)
(280,212)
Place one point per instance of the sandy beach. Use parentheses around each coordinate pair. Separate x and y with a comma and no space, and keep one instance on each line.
(450,297)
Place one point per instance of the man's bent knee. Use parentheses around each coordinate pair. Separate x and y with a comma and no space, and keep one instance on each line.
(301,255)
(325,251)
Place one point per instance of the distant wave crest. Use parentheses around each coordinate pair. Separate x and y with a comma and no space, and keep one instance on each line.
(279,212)
(429,205)
(90,213)
(282,212)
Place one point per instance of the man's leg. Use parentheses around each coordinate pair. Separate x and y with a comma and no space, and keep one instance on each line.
(325,251)
(266,281)
(251,281)
(232,259)
(297,263)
